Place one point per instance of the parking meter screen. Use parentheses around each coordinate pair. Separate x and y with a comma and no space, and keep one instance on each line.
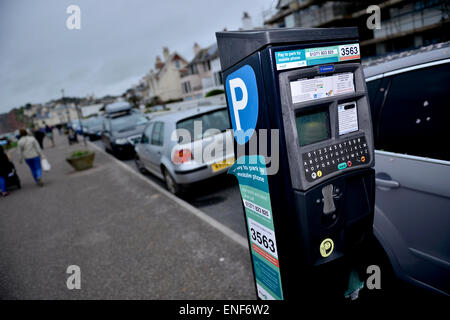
(313,127)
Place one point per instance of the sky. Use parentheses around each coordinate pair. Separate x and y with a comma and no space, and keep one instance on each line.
(116,45)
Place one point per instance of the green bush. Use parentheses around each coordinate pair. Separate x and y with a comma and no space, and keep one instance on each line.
(11,145)
(214,92)
(80,153)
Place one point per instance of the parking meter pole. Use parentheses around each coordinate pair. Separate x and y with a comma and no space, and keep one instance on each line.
(299,108)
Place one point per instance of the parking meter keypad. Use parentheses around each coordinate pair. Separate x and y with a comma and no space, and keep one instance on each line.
(339,156)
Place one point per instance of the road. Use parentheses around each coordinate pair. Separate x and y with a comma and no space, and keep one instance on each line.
(218,198)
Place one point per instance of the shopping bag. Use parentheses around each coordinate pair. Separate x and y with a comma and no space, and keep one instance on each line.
(45,165)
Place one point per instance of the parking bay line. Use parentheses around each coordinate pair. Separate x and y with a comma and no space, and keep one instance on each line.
(198,213)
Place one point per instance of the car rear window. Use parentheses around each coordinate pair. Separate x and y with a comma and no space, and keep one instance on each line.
(213,120)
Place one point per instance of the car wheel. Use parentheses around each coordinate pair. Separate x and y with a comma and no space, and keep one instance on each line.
(171,185)
(139,165)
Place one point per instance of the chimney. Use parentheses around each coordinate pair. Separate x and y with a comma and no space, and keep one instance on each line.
(158,64)
(246,22)
(196,49)
(166,54)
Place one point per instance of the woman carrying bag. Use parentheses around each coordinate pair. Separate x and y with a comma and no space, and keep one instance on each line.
(30,151)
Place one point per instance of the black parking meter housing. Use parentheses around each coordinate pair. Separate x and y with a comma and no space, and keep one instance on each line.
(311,88)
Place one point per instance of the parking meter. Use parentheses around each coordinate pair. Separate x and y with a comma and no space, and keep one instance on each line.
(301,120)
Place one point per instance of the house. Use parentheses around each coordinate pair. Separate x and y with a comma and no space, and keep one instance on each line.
(60,114)
(164,82)
(202,74)
(90,110)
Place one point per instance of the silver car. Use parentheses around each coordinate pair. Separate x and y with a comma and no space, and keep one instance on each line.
(187,146)
(409,98)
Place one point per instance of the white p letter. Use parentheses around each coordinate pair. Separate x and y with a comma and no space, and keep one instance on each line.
(241,104)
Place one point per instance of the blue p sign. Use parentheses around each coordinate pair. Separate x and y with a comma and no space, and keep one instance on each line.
(242,95)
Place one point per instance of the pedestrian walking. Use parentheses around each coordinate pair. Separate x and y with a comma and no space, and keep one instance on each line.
(5,168)
(49,134)
(30,151)
(39,134)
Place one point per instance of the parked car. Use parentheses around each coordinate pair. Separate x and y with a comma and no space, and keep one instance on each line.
(122,129)
(179,162)
(117,107)
(411,115)
(75,126)
(94,127)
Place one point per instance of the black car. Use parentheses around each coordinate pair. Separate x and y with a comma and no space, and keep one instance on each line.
(122,130)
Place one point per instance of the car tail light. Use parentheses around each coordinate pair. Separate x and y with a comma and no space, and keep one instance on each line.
(182,156)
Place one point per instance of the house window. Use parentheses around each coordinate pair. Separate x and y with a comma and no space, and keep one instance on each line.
(186,87)
(177,64)
(193,69)
(207,65)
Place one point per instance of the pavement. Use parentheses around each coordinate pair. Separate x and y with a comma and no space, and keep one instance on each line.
(130,238)
(219,197)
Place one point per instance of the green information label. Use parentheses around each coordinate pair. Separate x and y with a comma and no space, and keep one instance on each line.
(314,56)
(252,176)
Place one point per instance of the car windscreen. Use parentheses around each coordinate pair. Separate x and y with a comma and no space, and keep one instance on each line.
(94,122)
(213,120)
(128,122)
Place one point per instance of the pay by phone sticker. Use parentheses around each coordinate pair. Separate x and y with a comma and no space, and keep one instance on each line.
(313,56)
(347,117)
(252,176)
(322,87)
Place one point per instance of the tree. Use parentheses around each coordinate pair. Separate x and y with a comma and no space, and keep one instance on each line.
(134,100)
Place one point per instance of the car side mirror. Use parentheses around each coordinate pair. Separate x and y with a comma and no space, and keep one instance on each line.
(144,139)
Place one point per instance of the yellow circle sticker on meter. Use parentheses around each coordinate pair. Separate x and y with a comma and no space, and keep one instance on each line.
(326,247)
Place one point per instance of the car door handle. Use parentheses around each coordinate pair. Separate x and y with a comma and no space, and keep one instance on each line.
(391,184)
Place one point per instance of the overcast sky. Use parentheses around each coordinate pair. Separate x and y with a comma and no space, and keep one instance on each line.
(116,45)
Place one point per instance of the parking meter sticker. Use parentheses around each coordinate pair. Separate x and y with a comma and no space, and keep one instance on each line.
(313,56)
(250,205)
(326,247)
(263,237)
(242,96)
(322,52)
(290,59)
(263,294)
(267,277)
(252,176)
